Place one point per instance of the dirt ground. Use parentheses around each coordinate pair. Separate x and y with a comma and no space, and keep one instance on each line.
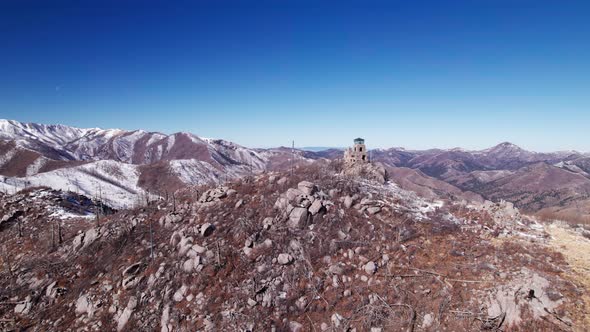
(576,250)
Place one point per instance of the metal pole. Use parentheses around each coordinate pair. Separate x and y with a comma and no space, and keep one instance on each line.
(292,156)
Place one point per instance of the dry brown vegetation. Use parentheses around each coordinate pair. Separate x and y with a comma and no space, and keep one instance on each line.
(431,274)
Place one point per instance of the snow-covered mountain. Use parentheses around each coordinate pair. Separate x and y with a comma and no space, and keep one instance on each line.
(123,165)
(58,142)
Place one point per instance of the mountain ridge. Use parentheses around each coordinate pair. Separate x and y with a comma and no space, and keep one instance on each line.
(28,149)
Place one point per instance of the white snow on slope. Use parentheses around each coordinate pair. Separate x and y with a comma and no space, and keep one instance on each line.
(34,168)
(114,182)
(195,172)
(5,158)
(52,135)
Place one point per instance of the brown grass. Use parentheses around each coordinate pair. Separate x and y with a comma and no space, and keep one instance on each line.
(576,250)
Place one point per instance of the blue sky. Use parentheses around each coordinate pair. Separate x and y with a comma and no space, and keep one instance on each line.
(417,74)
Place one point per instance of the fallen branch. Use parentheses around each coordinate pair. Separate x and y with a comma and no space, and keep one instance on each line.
(466,281)
(420,270)
(439,274)
(12,303)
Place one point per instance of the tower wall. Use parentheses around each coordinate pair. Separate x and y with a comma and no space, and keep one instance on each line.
(356,154)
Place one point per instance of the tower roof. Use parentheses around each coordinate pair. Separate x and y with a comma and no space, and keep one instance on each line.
(359,140)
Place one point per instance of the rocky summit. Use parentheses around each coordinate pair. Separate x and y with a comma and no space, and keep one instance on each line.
(319,248)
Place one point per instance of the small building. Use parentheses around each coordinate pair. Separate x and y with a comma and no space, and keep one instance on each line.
(357,153)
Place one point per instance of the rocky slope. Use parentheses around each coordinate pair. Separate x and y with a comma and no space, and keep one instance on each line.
(315,250)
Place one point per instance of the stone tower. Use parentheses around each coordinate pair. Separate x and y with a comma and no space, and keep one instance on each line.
(357,153)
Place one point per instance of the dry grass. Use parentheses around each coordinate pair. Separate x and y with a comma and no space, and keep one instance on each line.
(576,251)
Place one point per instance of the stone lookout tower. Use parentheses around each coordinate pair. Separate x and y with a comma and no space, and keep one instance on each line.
(357,153)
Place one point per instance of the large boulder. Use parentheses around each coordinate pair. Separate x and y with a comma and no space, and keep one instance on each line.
(316,207)
(214,194)
(307,187)
(293,194)
(284,259)
(297,217)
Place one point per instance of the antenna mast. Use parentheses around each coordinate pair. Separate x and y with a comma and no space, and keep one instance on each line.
(292,155)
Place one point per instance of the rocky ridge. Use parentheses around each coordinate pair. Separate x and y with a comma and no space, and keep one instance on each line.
(308,251)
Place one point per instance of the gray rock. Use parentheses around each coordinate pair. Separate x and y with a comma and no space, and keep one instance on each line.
(207,229)
(84,306)
(281,203)
(348,202)
(295,327)
(307,187)
(292,194)
(267,222)
(427,321)
(24,307)
(336,269)
(180,293)
(315,207)
(297,217)
(337,319)
(284,259)
(370,268)
(123,318)
(374,210)
(239,203)
(252,302)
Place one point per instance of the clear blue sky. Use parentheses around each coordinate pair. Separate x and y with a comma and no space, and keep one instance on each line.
(417,74)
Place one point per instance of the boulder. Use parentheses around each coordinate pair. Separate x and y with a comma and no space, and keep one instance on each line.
(131,279)
(370,268)
(25,307)
(284,259)
(281,203)
(191,264)
(84,306)
(307,187)
(207,229)
(335,269)
(374,210)
(293,194)
(297,217)
(267,222)
(214,194)
(252,302)
(180,293)
(348,202)
(123,318)
(315,207)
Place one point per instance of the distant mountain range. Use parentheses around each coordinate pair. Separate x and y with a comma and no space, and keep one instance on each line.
(320,148)
(123,165)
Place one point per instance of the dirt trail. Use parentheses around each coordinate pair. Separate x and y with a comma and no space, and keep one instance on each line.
(576,250)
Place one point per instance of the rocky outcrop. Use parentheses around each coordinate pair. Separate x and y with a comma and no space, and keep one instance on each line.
(300,204)
(370,171)
(214,194)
